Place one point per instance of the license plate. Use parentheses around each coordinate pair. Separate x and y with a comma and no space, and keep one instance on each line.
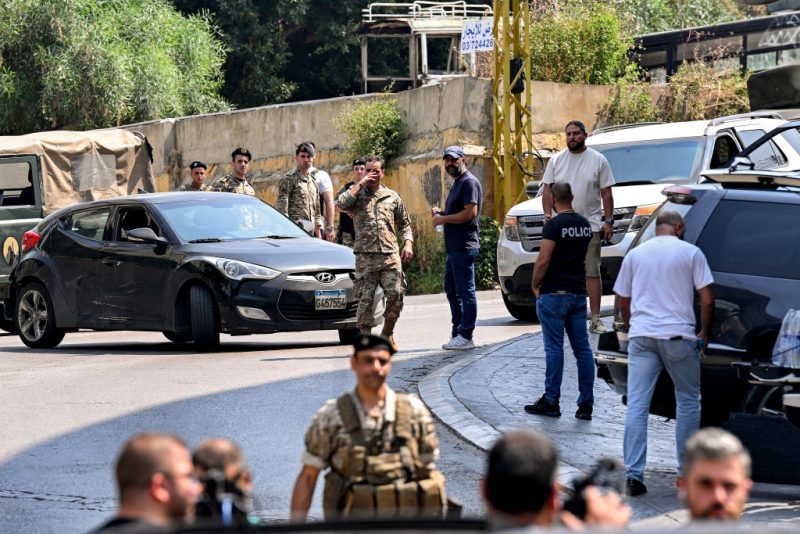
(330,299)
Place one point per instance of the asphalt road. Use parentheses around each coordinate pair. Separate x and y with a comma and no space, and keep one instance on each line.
(65,412)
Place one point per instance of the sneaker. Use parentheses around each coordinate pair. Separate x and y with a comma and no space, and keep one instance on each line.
(459,343)
(584,412)
(596,326)
(542,407)
(634,487)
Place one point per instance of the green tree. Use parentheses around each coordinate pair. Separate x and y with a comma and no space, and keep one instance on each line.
(80,64)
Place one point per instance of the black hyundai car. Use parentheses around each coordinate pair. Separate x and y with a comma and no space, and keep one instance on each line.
(191,265)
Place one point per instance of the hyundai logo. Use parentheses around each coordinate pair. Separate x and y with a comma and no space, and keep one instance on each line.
(325,278)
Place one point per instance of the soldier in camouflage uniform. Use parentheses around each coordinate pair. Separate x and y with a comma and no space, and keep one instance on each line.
(298,194)
(380,447)
(347,233)
(378,217)
(198,175)
(237,181)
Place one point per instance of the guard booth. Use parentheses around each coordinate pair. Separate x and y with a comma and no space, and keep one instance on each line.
(407,45)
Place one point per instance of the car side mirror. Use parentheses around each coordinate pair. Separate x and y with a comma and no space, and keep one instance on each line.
(741,161)
(147,235)
(306,225)
(532,189)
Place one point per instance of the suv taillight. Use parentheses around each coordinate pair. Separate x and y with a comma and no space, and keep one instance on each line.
(29,240)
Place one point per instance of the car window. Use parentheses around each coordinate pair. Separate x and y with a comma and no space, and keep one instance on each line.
(228,217)
(16,184)
(670,161)
(756,238)
(132,217)
(88,223)
(725,148)
(768,155)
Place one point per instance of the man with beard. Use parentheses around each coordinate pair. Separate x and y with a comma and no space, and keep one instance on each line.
(380,447)
(462,212)
(716,480)
(156,482)
(589,174)
(237,181)
(298,194)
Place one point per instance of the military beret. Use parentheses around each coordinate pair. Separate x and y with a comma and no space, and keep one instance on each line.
(369,341)
(241,151)
(307,147)
(195,164)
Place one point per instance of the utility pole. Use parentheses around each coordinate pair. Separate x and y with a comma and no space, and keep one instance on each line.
(511,105)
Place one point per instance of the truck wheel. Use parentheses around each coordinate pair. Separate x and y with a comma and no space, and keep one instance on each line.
(205,331)
(348,335)
(35,317)
(522,313)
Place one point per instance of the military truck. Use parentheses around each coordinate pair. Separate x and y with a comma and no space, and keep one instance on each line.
(42,172)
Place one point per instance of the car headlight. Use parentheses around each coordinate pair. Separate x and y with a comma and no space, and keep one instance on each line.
(510,229)
(641,215)
(241,270)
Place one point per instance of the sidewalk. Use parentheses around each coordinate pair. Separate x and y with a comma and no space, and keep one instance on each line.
(483,394)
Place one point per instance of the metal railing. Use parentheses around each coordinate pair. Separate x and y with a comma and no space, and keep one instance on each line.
(424,9)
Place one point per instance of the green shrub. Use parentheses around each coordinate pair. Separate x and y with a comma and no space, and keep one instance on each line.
(699,90)
(486,264)
(629,101)
(372,128)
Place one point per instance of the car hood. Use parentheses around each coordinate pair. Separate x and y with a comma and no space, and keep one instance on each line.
(626,196)
(287,255)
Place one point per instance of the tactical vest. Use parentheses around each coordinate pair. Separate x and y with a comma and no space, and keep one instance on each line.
(381,475)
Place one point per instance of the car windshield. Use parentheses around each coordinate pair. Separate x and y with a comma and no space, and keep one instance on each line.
(226,218)
(665,161)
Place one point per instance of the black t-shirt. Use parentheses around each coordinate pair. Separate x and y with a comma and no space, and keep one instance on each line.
(466,190)
(567,270)
(345,222)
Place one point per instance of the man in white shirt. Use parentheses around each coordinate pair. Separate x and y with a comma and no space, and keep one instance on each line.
(325,186)
(656,287)
(589,175)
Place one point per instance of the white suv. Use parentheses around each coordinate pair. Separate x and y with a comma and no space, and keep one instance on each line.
(645,158)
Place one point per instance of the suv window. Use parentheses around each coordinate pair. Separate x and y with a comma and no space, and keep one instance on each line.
(90,223)
(724,149)
(673,160)
(767,156)
(755,238)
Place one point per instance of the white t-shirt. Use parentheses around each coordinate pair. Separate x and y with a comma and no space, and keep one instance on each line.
(660,277)
(587,173)
(323,180)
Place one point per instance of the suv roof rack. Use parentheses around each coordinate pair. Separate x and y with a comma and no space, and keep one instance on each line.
(768,178)
(741,116)
(616,127)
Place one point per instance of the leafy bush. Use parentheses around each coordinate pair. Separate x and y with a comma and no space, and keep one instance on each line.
(629,101)
(80,64)
(372,127)
(486,264)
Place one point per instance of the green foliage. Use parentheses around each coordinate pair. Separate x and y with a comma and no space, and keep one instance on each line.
(583,43)
(629,101)
(372,127)
(662,15)
(486,263)
(81,64)
(700,91)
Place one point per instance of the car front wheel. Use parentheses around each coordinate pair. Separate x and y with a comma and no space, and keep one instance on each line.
(205,329)
(35,318)
(522,313)
(177,338)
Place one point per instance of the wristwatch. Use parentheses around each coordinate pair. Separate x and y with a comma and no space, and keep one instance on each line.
(609,222)
(329,228)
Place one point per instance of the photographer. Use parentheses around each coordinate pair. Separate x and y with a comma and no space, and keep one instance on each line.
(227,483)
(520,488)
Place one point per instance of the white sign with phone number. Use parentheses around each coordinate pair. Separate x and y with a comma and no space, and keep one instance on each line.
(477,35)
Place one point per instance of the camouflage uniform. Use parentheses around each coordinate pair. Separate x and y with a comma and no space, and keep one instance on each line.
(232,184)
(378,217)
(346,233)
(189,186)
(298,197)
(330,444)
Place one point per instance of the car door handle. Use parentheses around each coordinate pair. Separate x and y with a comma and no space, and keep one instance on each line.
(109,261)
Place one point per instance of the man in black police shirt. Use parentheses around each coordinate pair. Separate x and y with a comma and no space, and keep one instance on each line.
(560,287)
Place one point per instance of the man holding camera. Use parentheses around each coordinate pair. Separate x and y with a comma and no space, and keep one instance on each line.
(379,446)
(520,488)
(227,482)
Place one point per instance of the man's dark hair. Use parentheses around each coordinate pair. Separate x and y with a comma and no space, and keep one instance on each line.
(141,457)
(375,159)
(305,146)
(521,472)
(562,192)
(359,161)
(218,453)
(579,124)
(241,152)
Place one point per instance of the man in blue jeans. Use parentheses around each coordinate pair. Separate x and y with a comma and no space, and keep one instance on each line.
(460,218)
(559,283)
(656,286)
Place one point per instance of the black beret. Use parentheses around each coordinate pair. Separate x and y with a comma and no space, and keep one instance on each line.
(242,152)
(369,341)
(195,164)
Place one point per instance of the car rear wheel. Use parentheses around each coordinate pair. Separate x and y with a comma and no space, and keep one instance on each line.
(35,318)
(348,335)
(177,338)
(522,313)
(205,330)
